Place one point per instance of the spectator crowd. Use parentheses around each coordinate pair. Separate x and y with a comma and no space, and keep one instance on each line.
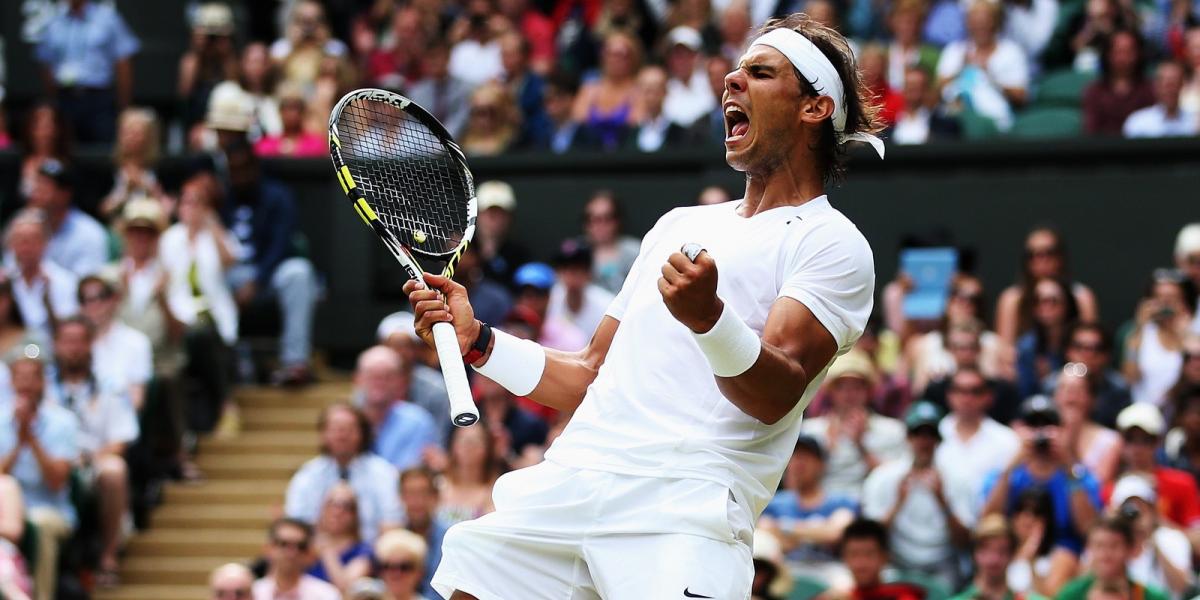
(1026,450)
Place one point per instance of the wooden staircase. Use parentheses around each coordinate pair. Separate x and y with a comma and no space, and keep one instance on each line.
(224,518)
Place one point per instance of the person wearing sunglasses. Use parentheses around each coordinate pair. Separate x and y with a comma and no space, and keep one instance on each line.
(288,553)
(230,581)
(342,556)
(1090,345)
(1041,347)
(1045,257)
(400,563)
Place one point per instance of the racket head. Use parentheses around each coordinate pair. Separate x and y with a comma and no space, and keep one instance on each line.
(405,175)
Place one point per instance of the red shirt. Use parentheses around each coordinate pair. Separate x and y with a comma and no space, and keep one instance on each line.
(890,103)
(306,144)
(1178,496)
(888,591)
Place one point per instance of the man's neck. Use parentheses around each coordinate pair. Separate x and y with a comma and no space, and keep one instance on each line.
(920,463)
(967,425)
(810,494)
(574,299)
(992,590)
(70,374)
(1171,110)
(286,582)
(791,183)
(57,217)
(419,525)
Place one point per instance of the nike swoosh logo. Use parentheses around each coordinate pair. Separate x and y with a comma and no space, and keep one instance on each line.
(688,594)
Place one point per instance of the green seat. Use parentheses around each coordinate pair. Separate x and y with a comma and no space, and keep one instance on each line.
(1062,88)
(1048,123)
(806,588)
(28,545)
(977,127)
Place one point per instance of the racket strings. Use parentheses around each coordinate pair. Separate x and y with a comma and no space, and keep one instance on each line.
(411,181)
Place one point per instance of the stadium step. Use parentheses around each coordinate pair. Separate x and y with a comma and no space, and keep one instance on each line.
(224,517)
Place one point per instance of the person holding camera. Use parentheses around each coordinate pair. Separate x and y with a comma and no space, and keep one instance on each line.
(1046,460)
(1164,560)
(1096,447)
(1110,547)
(1154,351)
(1142,428)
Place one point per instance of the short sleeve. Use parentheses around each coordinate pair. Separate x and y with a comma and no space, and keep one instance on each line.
(122,425)
(832,273)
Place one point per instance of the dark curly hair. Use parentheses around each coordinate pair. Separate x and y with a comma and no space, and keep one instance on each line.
(862,109)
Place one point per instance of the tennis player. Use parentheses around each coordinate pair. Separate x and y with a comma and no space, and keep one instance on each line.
(687,401)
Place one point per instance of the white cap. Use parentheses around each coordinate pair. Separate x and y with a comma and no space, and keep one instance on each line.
(229,108)
(496,193)
(1133,486)
(767,548)
(1188,240)
(685,36)
(402,323)
(1144,416)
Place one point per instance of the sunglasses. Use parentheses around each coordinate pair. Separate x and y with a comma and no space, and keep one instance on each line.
(1097,347)
(402,567)
(1140,439)
(234,594)
(974,390)
(968,296)
(600,217)
(1055,300)
(964,347)
(298,545)
(1042,252)
(346,505)
(95,298)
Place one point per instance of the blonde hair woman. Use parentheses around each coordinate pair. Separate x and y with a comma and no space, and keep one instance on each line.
(494,122)
(400,563)
(134,155)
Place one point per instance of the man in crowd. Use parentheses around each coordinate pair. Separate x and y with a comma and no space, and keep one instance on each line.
(123,358)
(927,510)
(444,95)
(426,386)
(993,547)
(574,297)
(1142,428)
(402,430)
(86,52)
(656,130)
(419,494)
(1166,118)
(526,86)
(107,425)
(78,243)
(964,344)
(499,254)
(973,444)
(261,213)
(346,456)
(807,521)
(1090,345)
(855,438)
(289,554)
(43,290)
(558,132)
(493,298)
(1045,461)
(231,581)
(864,551)
(688,95)
(39,441)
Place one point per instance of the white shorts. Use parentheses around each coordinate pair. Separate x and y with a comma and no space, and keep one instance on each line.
(561,533)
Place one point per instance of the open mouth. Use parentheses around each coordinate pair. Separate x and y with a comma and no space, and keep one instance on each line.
(737,123)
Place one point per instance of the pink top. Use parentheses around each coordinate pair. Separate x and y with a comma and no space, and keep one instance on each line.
(306,144)
(309,588)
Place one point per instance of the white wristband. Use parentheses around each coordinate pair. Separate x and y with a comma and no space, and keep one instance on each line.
(514,363)
(731,347)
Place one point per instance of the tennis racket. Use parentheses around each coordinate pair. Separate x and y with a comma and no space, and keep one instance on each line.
(409,182)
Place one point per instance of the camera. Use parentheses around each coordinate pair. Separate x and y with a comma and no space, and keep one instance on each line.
(1041,442)
(1166,313)
(477,21)
(1130,511)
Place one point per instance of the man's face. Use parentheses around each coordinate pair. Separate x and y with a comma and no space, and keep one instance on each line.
(968,394)
(512,58)
(850,392)
(243,172)
(1138,449)
(804,470)
(288,550)
(534,299)
(1109,553)
(1190,265)
(28,380)
(48,195)
(230,586)
(419,496)
(558,104)
(916,88)
(73,346)
(28,244)
(141,243)
(98,304)
(765,88)
(681,62)
(381,382)
(1168,83)
(574,277)
(652,85)
(1123,53)
(964,346)
(906,27)
(494,222)
(992,556)
(341,436)
(865,560)
(924,441)
(1087,347)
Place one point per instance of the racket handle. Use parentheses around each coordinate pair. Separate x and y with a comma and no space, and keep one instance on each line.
(462,407)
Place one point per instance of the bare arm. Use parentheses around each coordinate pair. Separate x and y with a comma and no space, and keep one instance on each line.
(187,74)
(1006,315)
(124,83)
(12,526)
(55,471)
(49,82)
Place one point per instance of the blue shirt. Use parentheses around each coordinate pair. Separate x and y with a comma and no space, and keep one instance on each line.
(405,433)
(1059,486)
(785,508)
(946,23)
(1028,381)
(374,480)
(57,430)
(80,245)
(83,49)
(433,558)
(351,553)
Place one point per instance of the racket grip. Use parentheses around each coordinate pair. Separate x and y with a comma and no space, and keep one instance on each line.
(463,411)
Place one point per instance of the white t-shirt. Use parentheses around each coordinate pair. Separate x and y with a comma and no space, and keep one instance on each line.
(1146,569)
(654,409)
(122,357)
(920,532)
(595,301)
(688,101)
(1153,122)
(104,418)
(991,448)
(476,63)
(846,467)
(1007,65)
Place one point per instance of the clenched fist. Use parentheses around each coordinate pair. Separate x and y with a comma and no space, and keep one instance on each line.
(689,289)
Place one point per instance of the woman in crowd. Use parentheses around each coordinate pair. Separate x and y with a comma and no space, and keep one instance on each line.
(1045,256)
(1189,373)
(134,156)
(342,556)
(907,49)
(1040,349)
(1154,350)
(613,253)
(986,72)
(1096,447)
(211,59)
(608,103)
(1110,546)
(494,124)
(400,562)
(1181,449)
(474,465)
(14,577)
(1121,88)
(1038,566)
(195,252)
(46,136)
(306,43)
(257,78)
(929,356)
(295,140)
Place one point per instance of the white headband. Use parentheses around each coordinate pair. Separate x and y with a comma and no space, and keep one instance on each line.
(815,66)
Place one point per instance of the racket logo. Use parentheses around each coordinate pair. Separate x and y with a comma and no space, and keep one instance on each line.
(465,420)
